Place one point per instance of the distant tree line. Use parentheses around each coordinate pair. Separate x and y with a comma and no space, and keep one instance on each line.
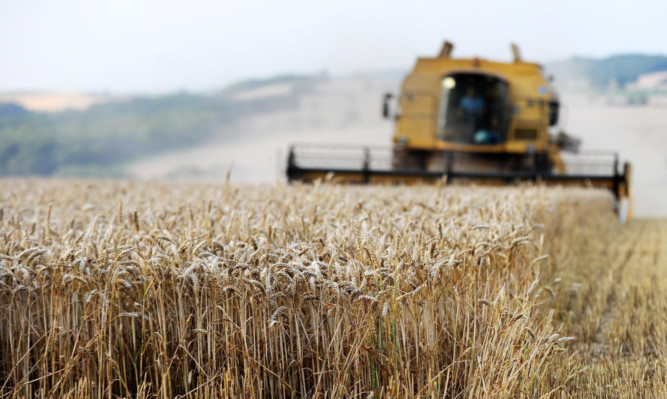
(624,69)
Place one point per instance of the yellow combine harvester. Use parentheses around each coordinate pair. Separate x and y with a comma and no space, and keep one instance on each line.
(470,120)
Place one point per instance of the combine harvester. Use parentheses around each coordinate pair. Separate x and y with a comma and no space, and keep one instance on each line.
(470,120)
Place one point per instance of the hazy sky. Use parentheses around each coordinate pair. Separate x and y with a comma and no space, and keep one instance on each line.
(163,45)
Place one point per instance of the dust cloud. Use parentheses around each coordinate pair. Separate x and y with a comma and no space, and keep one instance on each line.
(637,133)
(341,110)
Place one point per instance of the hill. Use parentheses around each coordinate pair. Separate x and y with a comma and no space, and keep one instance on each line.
(96,141)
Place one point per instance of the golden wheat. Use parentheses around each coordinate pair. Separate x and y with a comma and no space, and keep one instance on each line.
(118,289)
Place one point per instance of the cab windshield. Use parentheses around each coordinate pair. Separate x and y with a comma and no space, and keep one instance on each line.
(473,109)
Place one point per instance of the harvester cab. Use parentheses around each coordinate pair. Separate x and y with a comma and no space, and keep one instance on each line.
(470,119)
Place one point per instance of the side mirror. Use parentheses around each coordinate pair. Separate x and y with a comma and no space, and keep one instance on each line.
(554,107)
(385,104)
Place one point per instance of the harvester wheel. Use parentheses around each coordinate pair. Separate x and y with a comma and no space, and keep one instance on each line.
(405,159)
(543,163)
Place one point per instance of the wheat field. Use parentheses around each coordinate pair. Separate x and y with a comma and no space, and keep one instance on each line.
(161,290)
